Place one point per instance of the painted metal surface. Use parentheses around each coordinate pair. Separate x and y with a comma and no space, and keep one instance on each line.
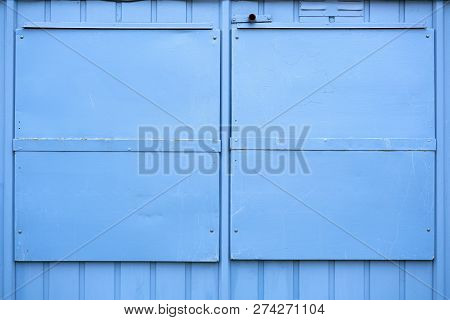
(97,206)
(377,79)
(119,81)
(226,279)
(352,206)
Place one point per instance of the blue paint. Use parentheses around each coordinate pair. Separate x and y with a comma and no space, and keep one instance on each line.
(121,80)
(381,128)
(64,200)
(288,70)
(368,194)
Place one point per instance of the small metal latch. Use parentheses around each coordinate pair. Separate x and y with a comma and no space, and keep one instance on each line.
(251,18)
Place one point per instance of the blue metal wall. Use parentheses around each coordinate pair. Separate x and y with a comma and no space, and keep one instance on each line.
(226,279)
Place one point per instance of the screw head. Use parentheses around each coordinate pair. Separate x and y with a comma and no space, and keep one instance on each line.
(427,36)
(211,230)
(21,37)
(214,37)
(237,37)
(236,230)
(19,231)
(428,229)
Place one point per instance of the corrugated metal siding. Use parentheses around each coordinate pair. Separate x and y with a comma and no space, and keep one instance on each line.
(247,279)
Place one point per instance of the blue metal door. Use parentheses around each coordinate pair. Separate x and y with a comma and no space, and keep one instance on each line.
(368,104)
(81,193)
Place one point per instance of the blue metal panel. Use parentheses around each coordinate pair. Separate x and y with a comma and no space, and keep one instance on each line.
(352,206)
(381,273)
(135,280)
(96,206)
(278,280)
(244,280)
(314,280)
(349,280)
(237,279)
(341,83)
(99,281)
(116,81)
(69,273)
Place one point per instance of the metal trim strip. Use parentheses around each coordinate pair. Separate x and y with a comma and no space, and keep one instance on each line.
(125,26)
(331,26)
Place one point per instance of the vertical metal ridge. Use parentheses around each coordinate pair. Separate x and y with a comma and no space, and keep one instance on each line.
(401,10)
(46,280)
(366,10)
(8,160)
(225,68)
(331,280)
(402,279)
(154,5)
(295,11)
(118,11)
(439,270)
(188,281)
(82,281)
(296,280)
(117,280)
(367,280)
(48,12)
(152,280)
(2,141)
(261,280)
(189,6)
(261,6)
(83,11)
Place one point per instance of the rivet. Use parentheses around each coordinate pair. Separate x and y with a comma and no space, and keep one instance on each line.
(235,230)
(237,37)
(428,229)
(235,140)
(269,18)
(214,37)
(234,19)
(211,231)
(427,36)
(21,37)
(19,231)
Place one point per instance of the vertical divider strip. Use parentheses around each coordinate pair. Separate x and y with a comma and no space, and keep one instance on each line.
(224,263)
(8,169)
(439,261)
